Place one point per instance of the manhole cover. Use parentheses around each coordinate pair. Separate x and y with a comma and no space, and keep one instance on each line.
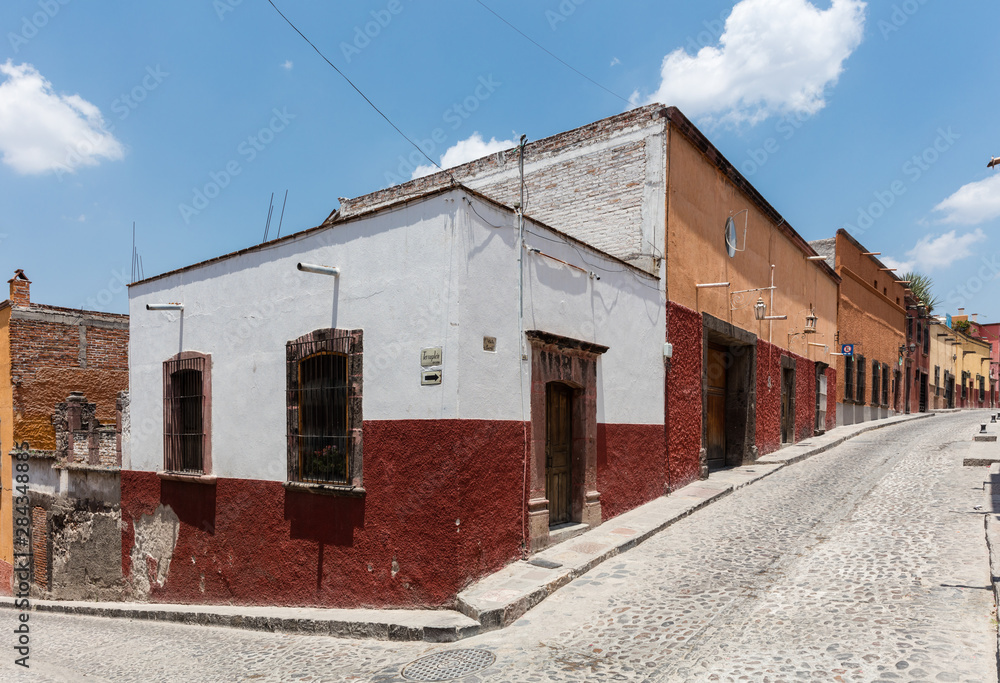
(446,666)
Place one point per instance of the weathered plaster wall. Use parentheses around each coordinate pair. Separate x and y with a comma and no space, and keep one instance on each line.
(768,397)
(684,400)
(631,466)
(831,398)
(700,199)
(446,278)
(805,398)
(443,508)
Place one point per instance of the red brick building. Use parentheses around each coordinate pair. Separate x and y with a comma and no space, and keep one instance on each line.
(47,352)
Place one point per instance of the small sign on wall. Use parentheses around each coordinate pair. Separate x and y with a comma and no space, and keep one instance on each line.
(847,349)
(431,357)
(490,344)
(429,377)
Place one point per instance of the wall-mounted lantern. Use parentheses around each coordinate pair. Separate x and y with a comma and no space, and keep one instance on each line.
(811,321)
(760,308)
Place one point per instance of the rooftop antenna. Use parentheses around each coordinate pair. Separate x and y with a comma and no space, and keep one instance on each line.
(270,210)
(280,220)
(133,253)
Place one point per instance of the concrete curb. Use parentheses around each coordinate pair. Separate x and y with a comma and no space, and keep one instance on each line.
(876,424)
(992,524)
(433,626)
(476,613)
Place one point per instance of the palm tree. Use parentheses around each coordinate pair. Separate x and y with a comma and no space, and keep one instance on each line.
(921,285)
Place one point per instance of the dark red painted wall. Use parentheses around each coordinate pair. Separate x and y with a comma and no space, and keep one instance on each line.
(768,398)
(805,398)
(631,468)
(684,401)
(831,398)
(444,503)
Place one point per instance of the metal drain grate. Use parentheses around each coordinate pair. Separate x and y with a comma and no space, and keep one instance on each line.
(447,666)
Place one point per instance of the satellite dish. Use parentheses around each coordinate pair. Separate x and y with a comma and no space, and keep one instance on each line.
(730,237)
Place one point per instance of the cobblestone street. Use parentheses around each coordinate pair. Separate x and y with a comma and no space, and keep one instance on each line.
(864,563)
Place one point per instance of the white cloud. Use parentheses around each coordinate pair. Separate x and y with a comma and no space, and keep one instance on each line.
(41,131)
(900,266)
(974,203)
(774,57)
(464,151)
(937,251)
(288,64)
(615,61)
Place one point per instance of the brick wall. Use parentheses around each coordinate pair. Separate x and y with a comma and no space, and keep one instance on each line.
(56,351)
(589,182)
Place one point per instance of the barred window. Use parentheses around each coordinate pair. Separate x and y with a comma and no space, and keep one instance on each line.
(876,376)
(861,379)
(982,388)
(324,408)
(187,414)
(937,380)
(885,384)
(849,378)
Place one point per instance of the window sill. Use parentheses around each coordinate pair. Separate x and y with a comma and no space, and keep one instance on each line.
(209,479)
(326,489)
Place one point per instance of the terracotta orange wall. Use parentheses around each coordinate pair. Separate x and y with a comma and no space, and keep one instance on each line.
(873,318)
(699,200)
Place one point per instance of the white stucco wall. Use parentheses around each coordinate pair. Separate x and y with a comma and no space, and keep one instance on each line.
(430,273)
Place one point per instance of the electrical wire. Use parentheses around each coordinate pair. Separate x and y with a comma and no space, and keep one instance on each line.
(356,88)
(543,49)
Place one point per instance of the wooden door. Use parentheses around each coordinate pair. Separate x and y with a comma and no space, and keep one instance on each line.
(787,414)
(558,451)
(715,443)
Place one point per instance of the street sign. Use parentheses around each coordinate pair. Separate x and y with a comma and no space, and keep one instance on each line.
(847,349)
(430,357)
(429,377)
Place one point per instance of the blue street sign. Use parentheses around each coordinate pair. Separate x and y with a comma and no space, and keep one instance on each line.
(847,349)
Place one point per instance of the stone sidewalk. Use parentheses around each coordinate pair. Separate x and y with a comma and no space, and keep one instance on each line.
(497,600)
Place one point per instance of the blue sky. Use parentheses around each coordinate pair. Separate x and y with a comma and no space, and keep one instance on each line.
(879,117)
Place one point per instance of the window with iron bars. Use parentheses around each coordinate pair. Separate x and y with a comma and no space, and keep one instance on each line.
(876,376)
(861,379)
(982,388)
(885,384)
(187,416)
(965,386)
(323,372)
(937,380)
(849,378)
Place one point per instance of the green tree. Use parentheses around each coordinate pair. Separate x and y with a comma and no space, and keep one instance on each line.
(921,285)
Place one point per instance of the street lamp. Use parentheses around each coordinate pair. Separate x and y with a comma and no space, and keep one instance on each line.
(811,321)
(760,308)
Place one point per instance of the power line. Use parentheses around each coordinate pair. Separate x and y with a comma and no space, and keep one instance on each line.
(351,83)
(543,49)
